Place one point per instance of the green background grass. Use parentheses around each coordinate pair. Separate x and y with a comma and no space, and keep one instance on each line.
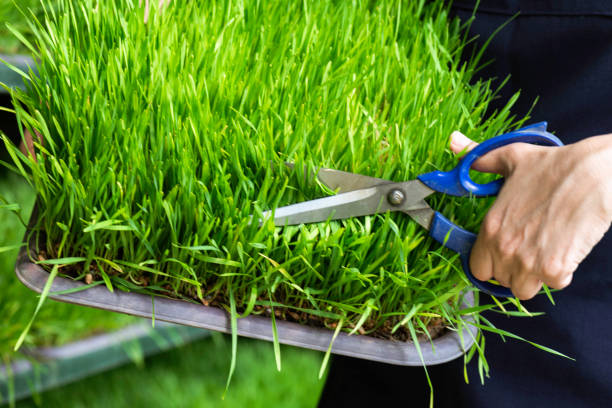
(10,14)
(195,375)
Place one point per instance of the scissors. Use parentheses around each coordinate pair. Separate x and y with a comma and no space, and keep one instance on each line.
(361,195)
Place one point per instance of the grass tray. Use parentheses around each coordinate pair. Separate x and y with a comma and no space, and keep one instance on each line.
(448,346)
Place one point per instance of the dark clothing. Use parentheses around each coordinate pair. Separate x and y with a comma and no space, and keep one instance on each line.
(560,52)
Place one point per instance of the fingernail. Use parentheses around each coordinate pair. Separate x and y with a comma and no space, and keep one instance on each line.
(459,141)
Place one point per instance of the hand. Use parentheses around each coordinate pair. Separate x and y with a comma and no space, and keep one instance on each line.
(554,207)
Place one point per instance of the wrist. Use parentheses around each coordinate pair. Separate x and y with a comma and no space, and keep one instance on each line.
(597,160)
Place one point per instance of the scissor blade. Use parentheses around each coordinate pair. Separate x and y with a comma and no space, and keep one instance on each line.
(367,201)
(421,213)
(342,180)
(345,181)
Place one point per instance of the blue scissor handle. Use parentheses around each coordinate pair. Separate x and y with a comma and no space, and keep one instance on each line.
(461,241)
(457,182)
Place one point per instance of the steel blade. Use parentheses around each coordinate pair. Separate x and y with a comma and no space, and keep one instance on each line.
(368,201)
(421,213)
(343,181)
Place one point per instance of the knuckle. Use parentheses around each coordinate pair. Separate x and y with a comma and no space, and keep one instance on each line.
(555,269)
(492,224)
(562,282)
(507,245)
(514,151)
(526,261)
(551,269)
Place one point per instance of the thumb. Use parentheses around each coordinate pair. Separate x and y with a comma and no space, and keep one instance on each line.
(495,161)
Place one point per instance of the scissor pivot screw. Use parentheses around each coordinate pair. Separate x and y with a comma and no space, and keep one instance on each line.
(396,197)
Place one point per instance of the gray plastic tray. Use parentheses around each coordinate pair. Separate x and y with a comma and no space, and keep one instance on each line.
(49,367)
(10,77)
(445,348)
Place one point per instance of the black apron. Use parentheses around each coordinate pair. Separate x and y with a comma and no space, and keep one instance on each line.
(559,51)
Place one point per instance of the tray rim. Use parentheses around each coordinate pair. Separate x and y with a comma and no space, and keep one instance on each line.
(445,348)
(21,61)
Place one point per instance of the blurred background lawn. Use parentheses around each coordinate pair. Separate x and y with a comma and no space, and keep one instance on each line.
(195,375)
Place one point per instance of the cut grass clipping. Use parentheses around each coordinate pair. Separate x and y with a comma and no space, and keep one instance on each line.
(164,128)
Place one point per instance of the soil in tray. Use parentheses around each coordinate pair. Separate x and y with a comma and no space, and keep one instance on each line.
(436,327)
